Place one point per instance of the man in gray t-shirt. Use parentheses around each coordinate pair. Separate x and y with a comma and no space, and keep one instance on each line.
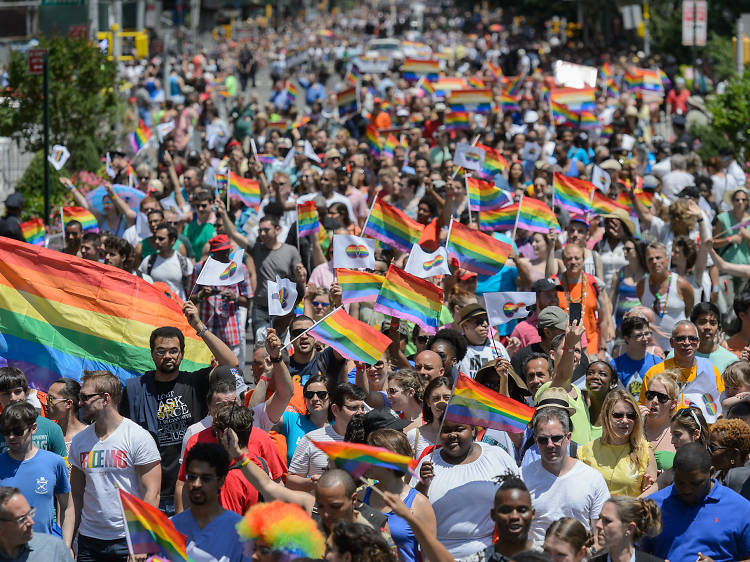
(167,265)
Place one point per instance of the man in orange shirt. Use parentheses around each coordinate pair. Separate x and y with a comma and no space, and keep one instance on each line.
(378,117)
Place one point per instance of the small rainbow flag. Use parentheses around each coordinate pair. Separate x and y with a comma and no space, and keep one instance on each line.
(562,114)
(301,121)
(485,196)
(665,81)
(357,458)
(351,77)
(141,136)
(645,197)
(573,194)
(498,219)
(413,69)
(266,158)
(475,82)
(358,286)
(613,90)
(280,125)
(393,227)
(291,91)
(410,298)
(149,531)
(513,84)
(476,251)
(444,86)
(473,403)
(456,120)
(604,205)
(536,216)
(509,102)
(346,100)
(87,220)
(497,71)
(307,219)
(353,339)
(390,146)
(373,141)
(606,71)
(33,231)
(427,88)
(494,163)
(587,120)
(245,189)
(478,101)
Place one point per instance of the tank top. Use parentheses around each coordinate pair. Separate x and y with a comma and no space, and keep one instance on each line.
(403,536)
(672,310)
(627,297)
(572,169)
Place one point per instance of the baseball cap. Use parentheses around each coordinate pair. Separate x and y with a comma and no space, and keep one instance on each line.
(553,317)
(15,200)
(580,218)
(219,242)
(471,310)
(225,371)
(541,285)
(383,418)
(464,274)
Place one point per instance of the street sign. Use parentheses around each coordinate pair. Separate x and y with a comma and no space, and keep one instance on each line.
(36,61)
(701,22)
(694,22)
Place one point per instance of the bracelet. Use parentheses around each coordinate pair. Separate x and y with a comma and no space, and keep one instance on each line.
(202,331)
(244,457)
(568,348)
(264,378)
(245,462)
(275,359)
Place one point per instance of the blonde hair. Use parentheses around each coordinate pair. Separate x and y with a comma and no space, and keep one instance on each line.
(638,443)
(670,379)
(644,513)
(680,210)
(736,374)
(104,382)
(409,379)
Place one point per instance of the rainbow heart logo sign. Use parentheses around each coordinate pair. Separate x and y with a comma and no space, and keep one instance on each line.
(510,308)
(708,400)
(434,262)
(357,251)
(283,297)
(229,271)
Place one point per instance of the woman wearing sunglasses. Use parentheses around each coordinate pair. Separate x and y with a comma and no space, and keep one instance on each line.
(317,302)
(621,454)
(436,397)
(662,398)
(730,447)
(295,426)
(405,392)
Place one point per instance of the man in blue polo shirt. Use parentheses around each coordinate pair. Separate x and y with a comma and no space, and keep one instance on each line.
(702,520)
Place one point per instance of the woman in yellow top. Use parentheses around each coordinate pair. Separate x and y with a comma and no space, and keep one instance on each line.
(622,454)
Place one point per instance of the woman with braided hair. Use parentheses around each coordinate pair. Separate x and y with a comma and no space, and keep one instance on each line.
(622,522)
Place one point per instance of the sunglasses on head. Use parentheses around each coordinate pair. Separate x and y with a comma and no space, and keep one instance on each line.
(651,394)
(309,394)
(620,415)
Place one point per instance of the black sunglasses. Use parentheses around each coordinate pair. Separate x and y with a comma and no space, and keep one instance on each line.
(309,394)
(543,439)
(620,415)
(651,394)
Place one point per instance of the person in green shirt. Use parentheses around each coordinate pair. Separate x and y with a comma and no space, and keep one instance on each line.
(200,230)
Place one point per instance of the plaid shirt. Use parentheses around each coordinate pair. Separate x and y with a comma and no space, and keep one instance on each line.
(222,316)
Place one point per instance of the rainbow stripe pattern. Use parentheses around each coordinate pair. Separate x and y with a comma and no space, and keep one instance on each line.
(476,251)
(389,146)
(60,314)
(497,71)
(141,136)
(484,195)
(413,69)
(498,219)
(478,101)
(428,89)
(373,141)
(392,227)
(536,216)
(410,298)
(291,91)
(353,339)
(474,404)
(150,531)
(562,114)
(358,286)
(494,163)
(84,216)
(457,120)
(245,189)
(357,458)
(573,194)
(33,231)
(346,100)
(513,84)
(603,205)
(307,219)
(509,102)
(576,99)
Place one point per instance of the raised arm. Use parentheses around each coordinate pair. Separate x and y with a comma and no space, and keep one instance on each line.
(424,527)
(78,197)
(219,349)
(551,268)
(178,198)
(564,365)
(283,385)
(643,212)
(121,205)
(229,227)
(734,269)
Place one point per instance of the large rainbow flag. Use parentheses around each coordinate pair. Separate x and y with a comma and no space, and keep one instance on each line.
(356,458)
(358,286)
(245,189)
(456,120)
(373,140)
(413,69)
(149,531)
(498,219)
(60,314)
(141,136)
(576,99)
(84,216)
(494,163)
(476,251)
(33,231)
(573,194)
(353,339)
(307,219)
(392,227)
(410,298)
(485,196)
(476,100)
(474,404)
(346,100)
(536,216)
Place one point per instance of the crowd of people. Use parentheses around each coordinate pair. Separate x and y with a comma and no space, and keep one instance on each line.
(635,353)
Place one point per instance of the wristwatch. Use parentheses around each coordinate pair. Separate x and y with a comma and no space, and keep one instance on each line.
(202,331)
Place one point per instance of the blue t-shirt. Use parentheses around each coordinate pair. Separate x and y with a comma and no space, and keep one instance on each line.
(294,426)
(718,526)
(631,372)
(218,538)
(39,479)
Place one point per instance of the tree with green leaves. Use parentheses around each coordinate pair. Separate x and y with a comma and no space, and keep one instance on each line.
(731,113)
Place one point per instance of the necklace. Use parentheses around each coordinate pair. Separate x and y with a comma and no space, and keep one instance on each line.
(582,300)
(661,437)
(660,308)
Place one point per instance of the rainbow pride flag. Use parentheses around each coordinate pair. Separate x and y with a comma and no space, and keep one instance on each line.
(572,194)
(444,86)
(281,125)
(606,71)
(427,87)
(307,219)
(477,101)
(604,205)
(149,531)
(612,90)
(536,216)
(576,99)
(410,298)
(645,197)
(509,102)
(498,219)
(358,286)
(475,82)
(413,69)
(373,141)
(393,227)
(357,458)
(456,120)
(266,158)
(301,121)
(141,136)
(245,189)
(497,71)
(513,84)
(484,195)
(291,91)
(33,231)
(346,100)
(473,403)
(390,146)
(562,114)
(476,251)
(494,163)
(353,339)
(587,120)
(84,216)
(60,314)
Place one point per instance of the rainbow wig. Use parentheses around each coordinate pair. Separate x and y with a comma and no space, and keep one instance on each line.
(284,527)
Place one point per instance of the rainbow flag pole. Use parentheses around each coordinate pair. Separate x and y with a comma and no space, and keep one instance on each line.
(311,327)
(518,213)
(369,214)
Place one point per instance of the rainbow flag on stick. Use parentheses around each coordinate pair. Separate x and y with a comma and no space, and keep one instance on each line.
(478,101)
(358,286)
(573,194)
(410,298)
(493,164)
(373,141)
(604,205)
(244,189)
(356,458)
(457,120)
(353,339)
(474,404)
(391,226)
(149,531)
(562,114)
(84,216)
(509,102)
(513,84)
(498,219)
(484,195)
(536,216)
(413,69)
(307,219)
(476,251)
(33,231)
(428,89)
(390,146)
(346,100)
(291,91)
(141,136)
(577,99)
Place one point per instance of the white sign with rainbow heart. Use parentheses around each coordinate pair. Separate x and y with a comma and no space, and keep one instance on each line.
(504,307)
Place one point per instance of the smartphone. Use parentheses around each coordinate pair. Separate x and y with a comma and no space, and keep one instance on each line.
(574,312)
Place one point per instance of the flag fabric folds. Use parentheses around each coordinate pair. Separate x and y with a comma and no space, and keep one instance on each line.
(149,531)
(33,231)
(573,194)
(392,226)
(245,189)
(356,458)
(476,251)
(358,286)
(410,298)
(353,339)
(84,216)
(307,218)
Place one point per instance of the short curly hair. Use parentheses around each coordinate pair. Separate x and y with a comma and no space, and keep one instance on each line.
(734,433)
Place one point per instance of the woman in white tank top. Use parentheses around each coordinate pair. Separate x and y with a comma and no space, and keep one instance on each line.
(671,309)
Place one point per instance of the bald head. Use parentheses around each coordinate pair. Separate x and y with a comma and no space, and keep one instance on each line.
(332,478)
(429,365)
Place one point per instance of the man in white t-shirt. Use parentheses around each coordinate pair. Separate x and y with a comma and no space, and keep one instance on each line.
(168,265)
(560,485)
(114,452)
(481,350)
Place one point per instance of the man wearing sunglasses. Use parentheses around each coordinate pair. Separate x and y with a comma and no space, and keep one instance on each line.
(559,484)
(201,229)
(684,342)
(476,329)
(306,361)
